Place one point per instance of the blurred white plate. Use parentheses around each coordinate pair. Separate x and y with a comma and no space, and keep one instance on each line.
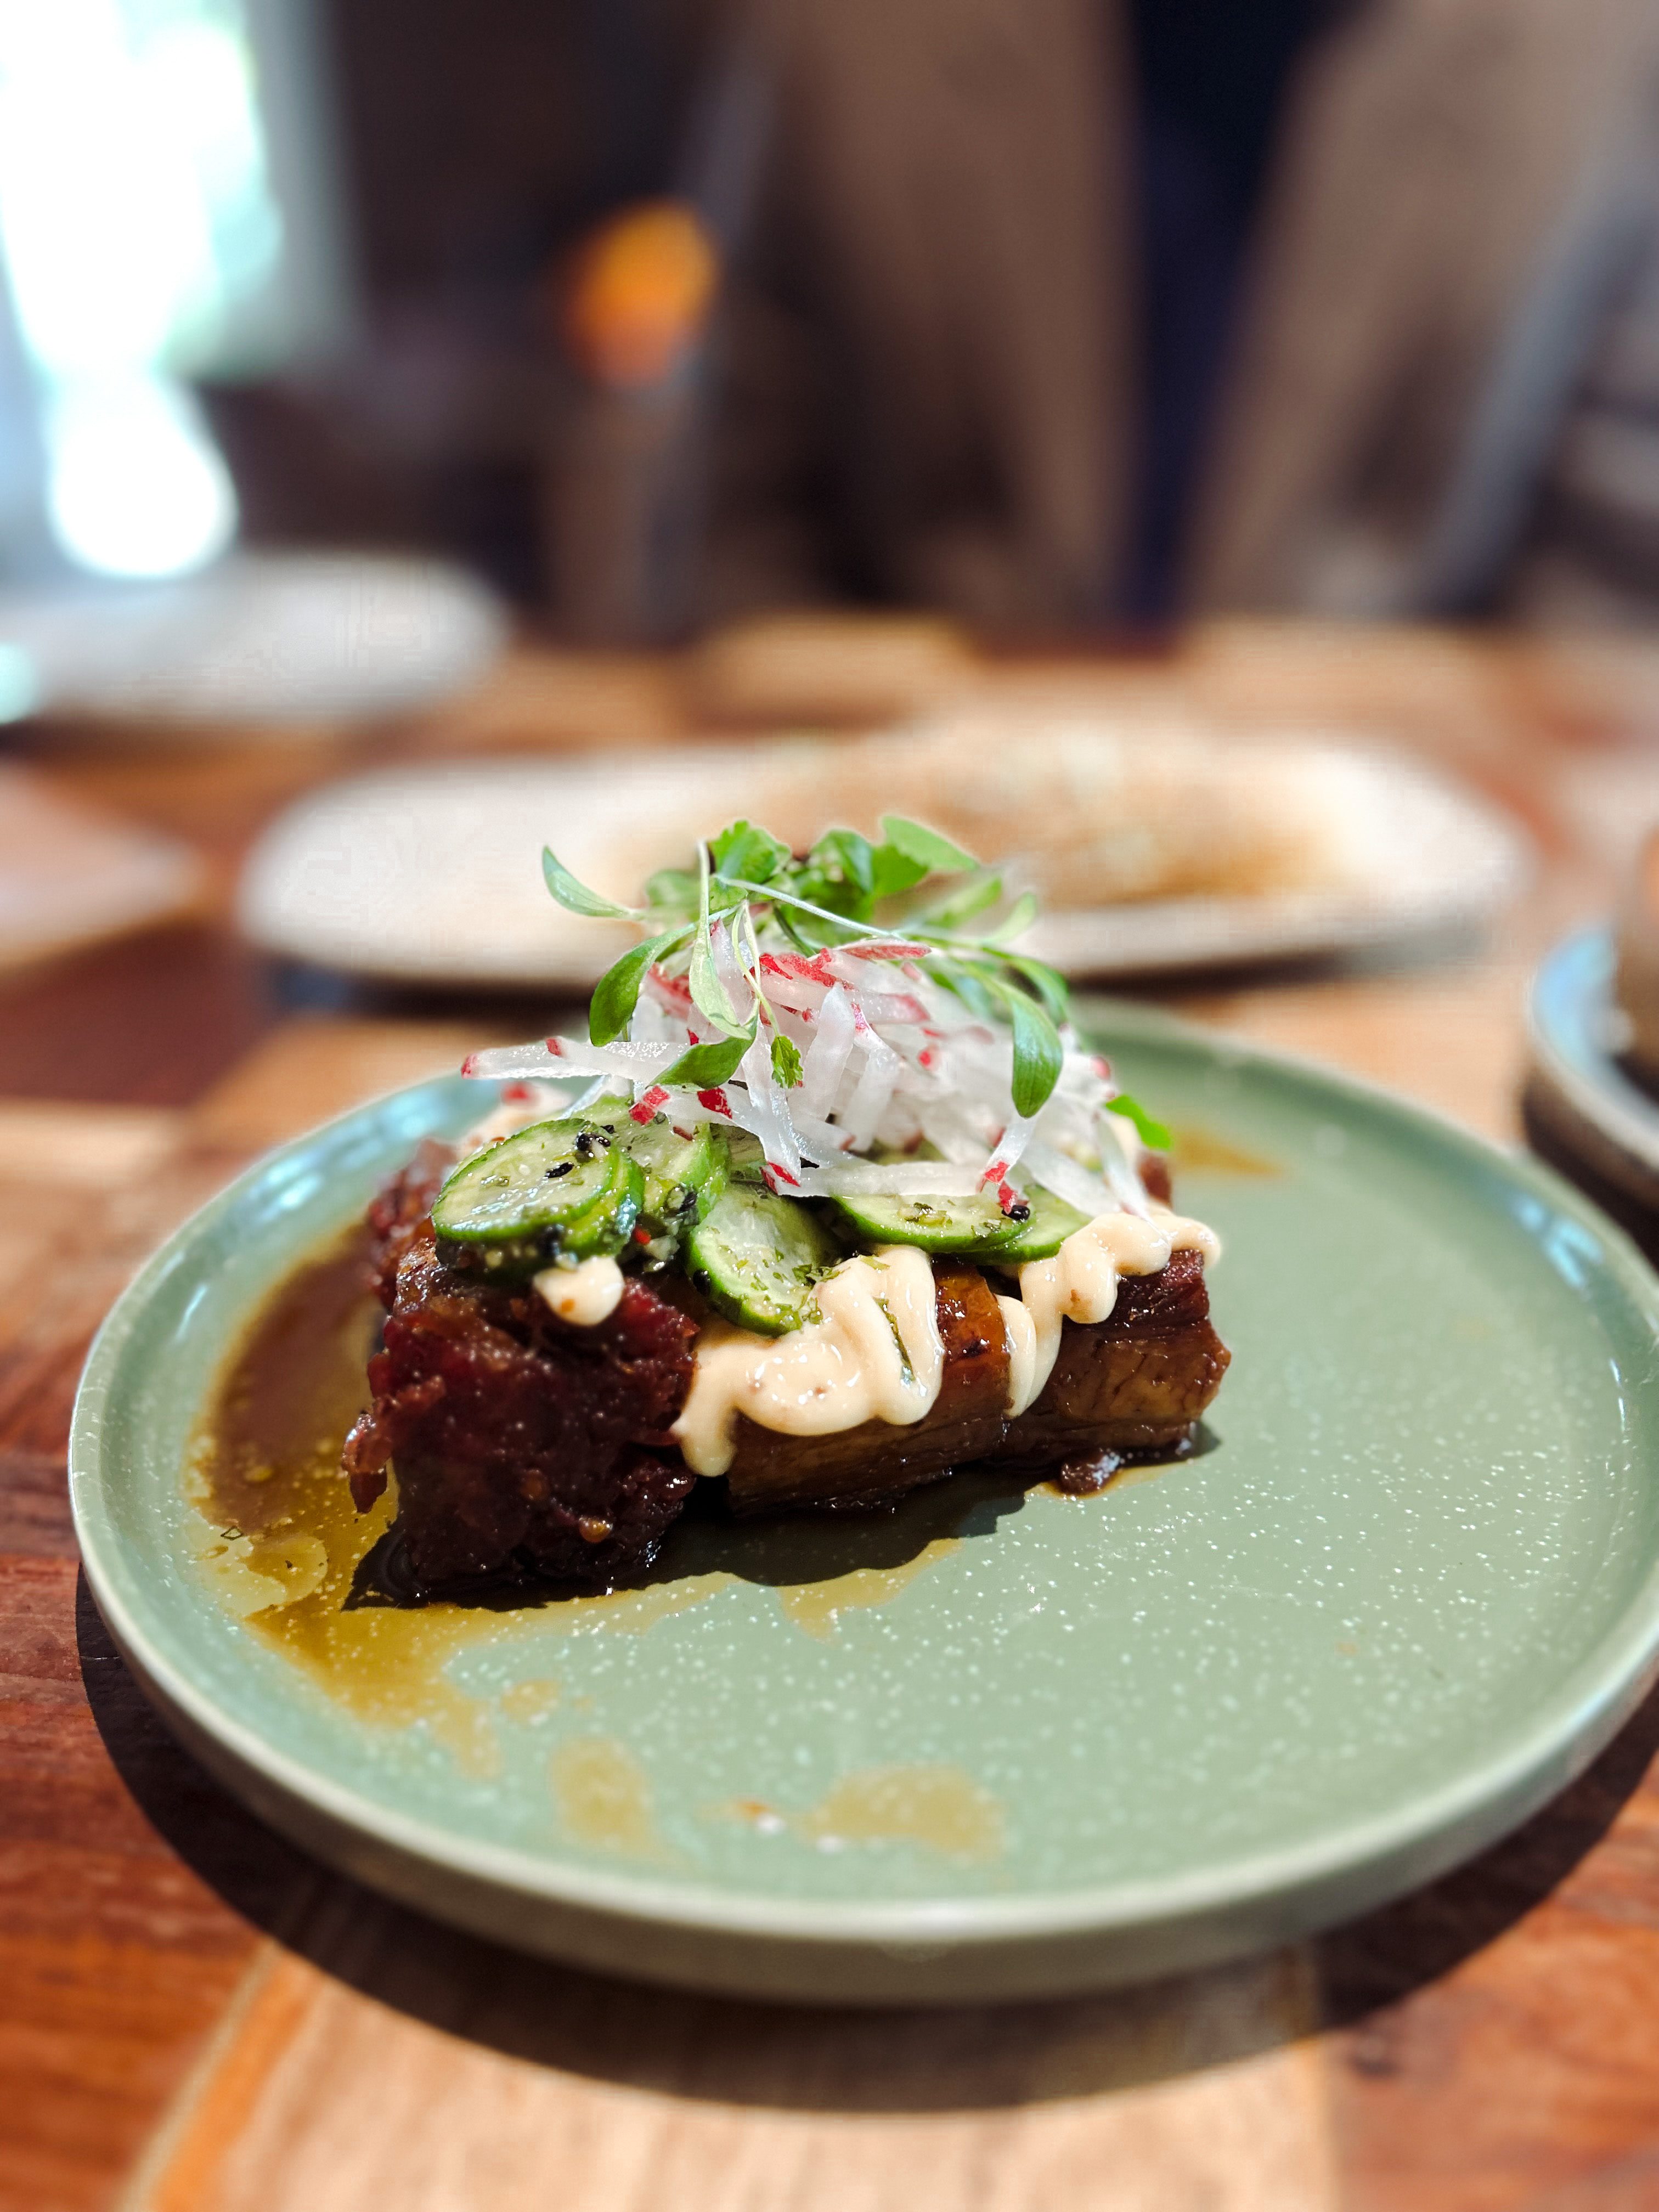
(434,875)
(301,638)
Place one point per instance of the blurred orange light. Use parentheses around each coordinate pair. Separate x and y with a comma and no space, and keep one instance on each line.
(639,293)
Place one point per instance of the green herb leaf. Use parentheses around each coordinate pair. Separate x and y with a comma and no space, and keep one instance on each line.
(1019,916)
(918,842)
(1153,1134)
(673,889)
(1049,986)
(617,991)
(892,872)
(856,856)
(785,1063)
(743,849)
(706,1065)
(969,986)
(577,896)
(972,898)
(1037,1053)
(841,929)
(708,995)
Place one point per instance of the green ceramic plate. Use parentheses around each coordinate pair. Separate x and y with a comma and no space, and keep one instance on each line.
(999,1744)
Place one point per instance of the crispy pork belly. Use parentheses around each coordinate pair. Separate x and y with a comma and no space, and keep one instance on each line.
(877,1459)
(1135,1383)
(523,1444)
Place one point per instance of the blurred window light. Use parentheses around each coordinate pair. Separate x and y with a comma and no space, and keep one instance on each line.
(135,487)
(136,212)
(20,690)
(141,243)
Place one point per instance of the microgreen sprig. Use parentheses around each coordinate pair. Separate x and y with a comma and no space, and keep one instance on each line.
(827,896)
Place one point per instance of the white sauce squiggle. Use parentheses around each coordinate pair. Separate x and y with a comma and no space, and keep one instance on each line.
(874,1353)
(585,1295)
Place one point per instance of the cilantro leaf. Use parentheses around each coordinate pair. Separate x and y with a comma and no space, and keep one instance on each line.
(856,856)
(675,888)
(743,849)
(892,872)
(785,1063)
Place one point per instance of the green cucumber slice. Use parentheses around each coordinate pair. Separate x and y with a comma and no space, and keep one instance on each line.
(1051,1223)
(937,1224)
(684,1176)
(558,1190)
(758,1258)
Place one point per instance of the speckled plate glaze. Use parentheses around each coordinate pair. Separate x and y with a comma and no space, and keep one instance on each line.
(1017,1744)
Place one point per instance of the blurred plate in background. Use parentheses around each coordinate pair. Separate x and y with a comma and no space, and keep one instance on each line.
(1577,1082)
(1151,850)
(303,638)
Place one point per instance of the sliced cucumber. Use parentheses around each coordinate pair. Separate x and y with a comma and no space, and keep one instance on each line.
(937,1224)
(557,1189)
(757,1258)
(684,1176)
(1051,1221)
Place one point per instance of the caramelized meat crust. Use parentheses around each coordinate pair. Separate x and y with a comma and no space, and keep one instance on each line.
(401,1211)
(1133,1383)
(519,1441)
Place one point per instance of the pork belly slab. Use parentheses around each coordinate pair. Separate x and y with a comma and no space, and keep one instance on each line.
(523,1444)
(1133,1384)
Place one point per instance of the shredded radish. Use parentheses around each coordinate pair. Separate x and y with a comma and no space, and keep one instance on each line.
(903,1090)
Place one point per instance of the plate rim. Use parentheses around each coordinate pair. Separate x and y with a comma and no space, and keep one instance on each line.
(1567,1729)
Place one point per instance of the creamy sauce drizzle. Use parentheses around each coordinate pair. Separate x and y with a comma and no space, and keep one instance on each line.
(1026,1374)
(584,1294)
(873,1354)
(1080,1284)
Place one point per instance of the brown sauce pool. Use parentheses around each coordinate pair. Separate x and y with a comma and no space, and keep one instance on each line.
(284,1548)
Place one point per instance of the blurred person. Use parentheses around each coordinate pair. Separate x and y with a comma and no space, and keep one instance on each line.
(1056,312)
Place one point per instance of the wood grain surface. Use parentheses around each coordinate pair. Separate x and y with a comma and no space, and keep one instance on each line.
(196,2018)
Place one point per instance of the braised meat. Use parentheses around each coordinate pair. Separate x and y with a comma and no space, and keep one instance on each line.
(874,1461)
(519,1440)
(1133,1383)
(522,1442)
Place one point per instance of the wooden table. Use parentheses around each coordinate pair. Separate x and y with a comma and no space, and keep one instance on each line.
(195,2018)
